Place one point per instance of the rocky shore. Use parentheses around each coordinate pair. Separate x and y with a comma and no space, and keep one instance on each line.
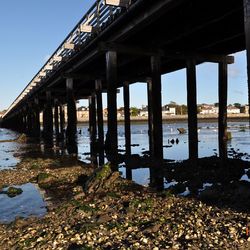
(92,208)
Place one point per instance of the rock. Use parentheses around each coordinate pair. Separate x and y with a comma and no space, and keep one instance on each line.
(228,135)
(13,191)
(44,180)
(98,178)
(182,130)
(114,176)
(209,195)
(79,196)
(22,138)
(152,229)
(104,218)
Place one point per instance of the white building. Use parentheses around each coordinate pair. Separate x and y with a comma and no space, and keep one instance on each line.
(246,109)
(209,109)
(166,110)
(233,110)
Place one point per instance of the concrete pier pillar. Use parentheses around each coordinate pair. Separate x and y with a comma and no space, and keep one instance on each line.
(111,143)
(56,118)
(29,120)
(150,121)
(223,110)
(155,100)
(48,118)
(62,120)
(36,111)
(192,110)
(98,89)
(72,118)
(92,122)
(126,98)
(247,38)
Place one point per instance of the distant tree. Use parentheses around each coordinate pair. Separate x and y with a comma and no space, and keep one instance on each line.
(134,111)
(172,104)
(199,108)
(181,109)
(237,105)
(216,104)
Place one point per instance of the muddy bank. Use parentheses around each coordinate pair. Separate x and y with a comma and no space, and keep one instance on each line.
(97,209)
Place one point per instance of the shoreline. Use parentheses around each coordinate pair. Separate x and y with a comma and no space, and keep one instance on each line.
(89,208)
(105,211)
(176,118)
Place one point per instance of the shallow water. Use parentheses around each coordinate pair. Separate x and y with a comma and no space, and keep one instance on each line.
(29,203)
(207,133)
(8,149)
(208,139)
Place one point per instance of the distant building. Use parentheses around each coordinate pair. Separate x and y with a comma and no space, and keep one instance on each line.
(143,111)
(82,112)
(166,110)
(209,109)
(120,112)
(246,109)
(233,110)
(105,112)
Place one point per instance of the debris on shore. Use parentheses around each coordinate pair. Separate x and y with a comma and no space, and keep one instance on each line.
(97,209)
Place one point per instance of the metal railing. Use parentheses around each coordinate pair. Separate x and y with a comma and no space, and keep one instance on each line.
(98,18)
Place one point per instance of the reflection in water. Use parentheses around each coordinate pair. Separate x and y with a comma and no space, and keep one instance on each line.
(29,203)
(175,145)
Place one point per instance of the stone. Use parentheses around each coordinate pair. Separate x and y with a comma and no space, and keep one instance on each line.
(13,191)
(182,130)
(104,218)
(44,180)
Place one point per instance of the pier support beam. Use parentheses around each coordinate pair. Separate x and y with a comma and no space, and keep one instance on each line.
(56,118)
(98,87)
(247,38)
(223,110)
(71,108)
(126,98)
(24,128)
(154,88)
(111,142)
(150,122)
(48,118)
(62,119)
(29,120)
(192,110)
(36,129)
(92,122)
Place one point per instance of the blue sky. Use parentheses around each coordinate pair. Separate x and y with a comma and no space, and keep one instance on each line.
(32,30)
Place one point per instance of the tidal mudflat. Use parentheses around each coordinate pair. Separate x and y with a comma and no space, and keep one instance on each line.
(201,207)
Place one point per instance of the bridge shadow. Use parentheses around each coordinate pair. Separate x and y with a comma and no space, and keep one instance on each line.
(216,183)
(222,184)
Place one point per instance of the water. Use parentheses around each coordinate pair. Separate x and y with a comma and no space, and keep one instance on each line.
(207,135)
(29,203)
(9,149)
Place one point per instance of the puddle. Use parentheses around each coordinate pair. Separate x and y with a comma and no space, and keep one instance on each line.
(29,203)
